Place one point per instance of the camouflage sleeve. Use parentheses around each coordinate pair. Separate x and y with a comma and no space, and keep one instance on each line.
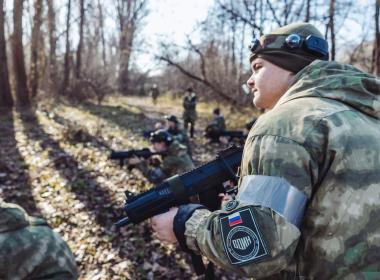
(170,164)
(154,175)
(272,239)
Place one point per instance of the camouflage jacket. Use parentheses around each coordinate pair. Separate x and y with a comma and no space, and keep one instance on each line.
(181,137)
(189,105)
(322,137)
(175,160)
(217,125)
(29,249)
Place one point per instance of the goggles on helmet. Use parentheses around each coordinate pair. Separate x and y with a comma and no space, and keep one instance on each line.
(312,44)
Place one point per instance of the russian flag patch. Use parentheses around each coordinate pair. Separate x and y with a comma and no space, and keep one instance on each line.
(234,219)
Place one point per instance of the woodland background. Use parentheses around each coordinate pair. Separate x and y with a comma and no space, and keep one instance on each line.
(71,89)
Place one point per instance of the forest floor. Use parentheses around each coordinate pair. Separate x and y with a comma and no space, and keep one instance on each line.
(54,163)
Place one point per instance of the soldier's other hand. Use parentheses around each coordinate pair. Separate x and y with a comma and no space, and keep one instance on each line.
(223,139)
(162,224)
(134,161)
(225,197)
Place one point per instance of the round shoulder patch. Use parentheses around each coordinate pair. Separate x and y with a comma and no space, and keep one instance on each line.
(231,205)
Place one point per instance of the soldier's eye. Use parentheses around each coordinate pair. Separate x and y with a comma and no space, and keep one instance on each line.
(256,67)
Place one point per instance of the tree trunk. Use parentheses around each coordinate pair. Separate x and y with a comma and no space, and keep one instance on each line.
(18,56)
(6,99)
(376,45)
(34,48)
(52,44)
(80,43)
(129,14)
(101,26)
(307,16)
(125,45)
(66,66)
(332,28)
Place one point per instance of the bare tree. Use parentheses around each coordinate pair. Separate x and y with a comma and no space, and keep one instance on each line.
(101,27)
(6,99)
(307,14)
(34,47)
(375,67)
(80,43)
(130,13)
(203,79)
(52,61)
(22,92)
(331,27)
(66,66)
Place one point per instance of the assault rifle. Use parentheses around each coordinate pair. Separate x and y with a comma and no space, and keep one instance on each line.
(206,181)
(214,135)
(123,155)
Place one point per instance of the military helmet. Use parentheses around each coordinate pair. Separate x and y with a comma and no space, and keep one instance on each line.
(171,118)
(161,135)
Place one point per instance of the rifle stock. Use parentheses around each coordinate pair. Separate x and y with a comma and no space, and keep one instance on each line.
(206,181)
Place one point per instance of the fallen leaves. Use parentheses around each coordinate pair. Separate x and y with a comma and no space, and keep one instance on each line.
(55,164)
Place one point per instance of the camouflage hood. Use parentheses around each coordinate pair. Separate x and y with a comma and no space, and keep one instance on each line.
(13,217)
(345,84)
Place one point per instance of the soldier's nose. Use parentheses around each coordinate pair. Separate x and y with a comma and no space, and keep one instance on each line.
(251,83)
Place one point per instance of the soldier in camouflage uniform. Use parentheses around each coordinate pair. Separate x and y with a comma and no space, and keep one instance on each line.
(189,113)
(308,203)
(155,93)
(217,125)
(175,158)
(29,249)
(179,135)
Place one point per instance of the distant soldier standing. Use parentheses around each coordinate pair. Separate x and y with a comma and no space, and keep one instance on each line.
(189,113)
(155,93)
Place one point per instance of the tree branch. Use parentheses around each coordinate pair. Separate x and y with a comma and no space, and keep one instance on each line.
(206,82)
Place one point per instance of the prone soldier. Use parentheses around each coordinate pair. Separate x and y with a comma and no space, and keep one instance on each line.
(175,158)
